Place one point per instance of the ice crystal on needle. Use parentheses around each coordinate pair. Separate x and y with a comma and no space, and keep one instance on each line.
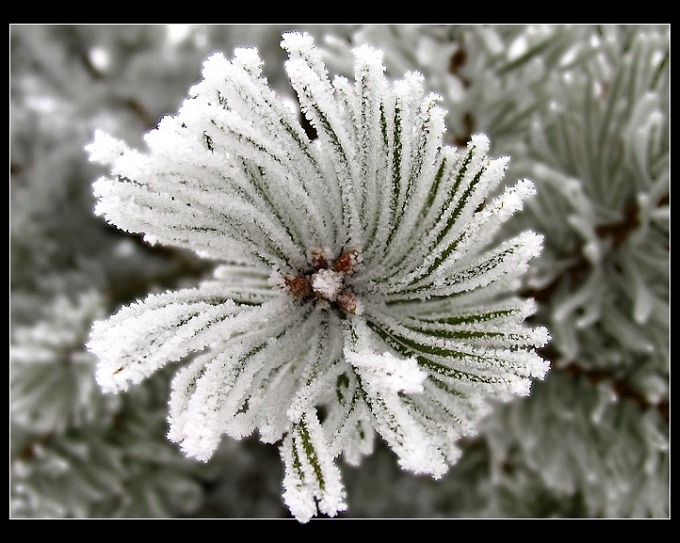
(359,289)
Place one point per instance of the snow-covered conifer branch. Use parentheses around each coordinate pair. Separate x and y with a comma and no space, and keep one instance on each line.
(359,273)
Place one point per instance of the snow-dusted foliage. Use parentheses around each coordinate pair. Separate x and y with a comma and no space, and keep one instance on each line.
(592,440)
(359,286)
(48,356)
(74,452)
(117,465)
(621,472)
(584,112)
(615,201)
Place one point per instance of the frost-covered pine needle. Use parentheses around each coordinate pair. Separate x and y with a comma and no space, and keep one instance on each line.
(359,289)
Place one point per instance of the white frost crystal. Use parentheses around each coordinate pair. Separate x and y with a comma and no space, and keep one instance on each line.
(327,283)
(357,272)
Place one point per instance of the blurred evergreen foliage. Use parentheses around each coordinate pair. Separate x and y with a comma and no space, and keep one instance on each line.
(584,111)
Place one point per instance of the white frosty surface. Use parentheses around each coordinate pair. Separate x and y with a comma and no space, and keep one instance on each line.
(386,372)
(328,283)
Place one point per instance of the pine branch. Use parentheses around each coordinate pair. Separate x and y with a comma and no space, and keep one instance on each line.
(331,250)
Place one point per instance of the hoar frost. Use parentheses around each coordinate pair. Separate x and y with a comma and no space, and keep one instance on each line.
(358,275)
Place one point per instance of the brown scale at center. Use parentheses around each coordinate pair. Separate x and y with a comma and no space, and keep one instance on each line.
(326,281)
